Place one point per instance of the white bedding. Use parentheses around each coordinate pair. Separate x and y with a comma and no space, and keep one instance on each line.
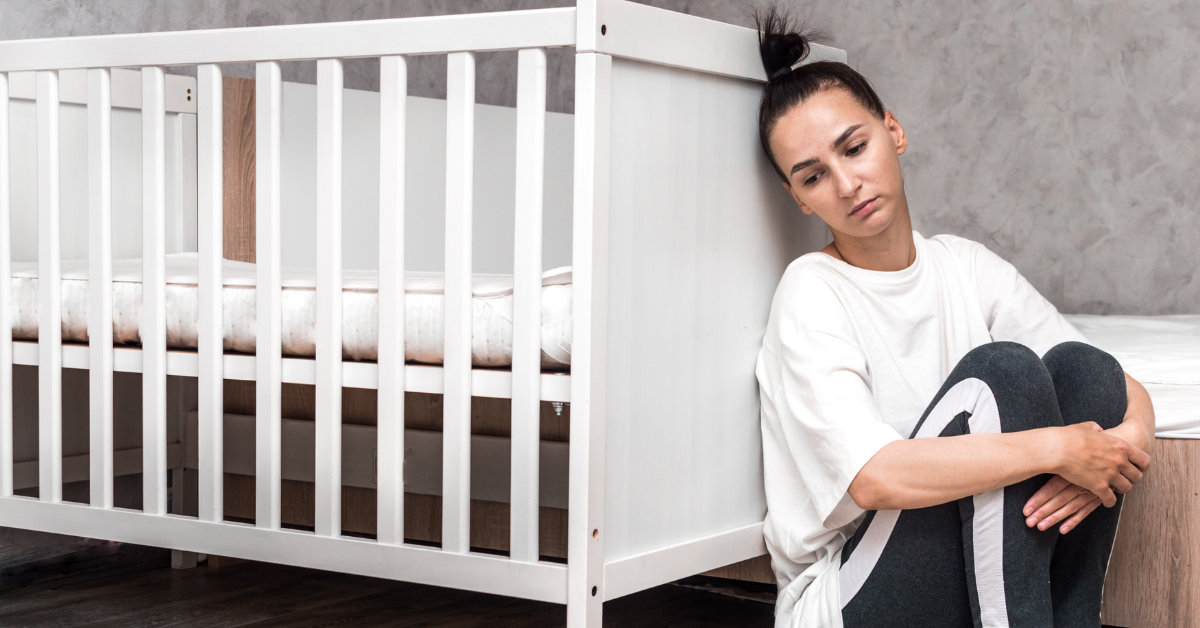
(1161,352)
(424,318)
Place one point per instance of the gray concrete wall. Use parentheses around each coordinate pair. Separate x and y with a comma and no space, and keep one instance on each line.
(1059,133)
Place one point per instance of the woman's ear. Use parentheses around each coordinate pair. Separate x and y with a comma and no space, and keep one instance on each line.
(803,208)
(897,131)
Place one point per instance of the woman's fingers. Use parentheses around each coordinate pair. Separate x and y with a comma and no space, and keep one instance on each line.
(1068,493)
(1049,490)
(1121,484)
(1106,495)
(1079,515)
(1080,499)
(1132,473)
(1102,463)
(1139,458)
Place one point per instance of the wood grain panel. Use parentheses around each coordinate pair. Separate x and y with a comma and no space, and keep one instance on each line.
(752,570)
(239,497)
(238,155)
(1152,580)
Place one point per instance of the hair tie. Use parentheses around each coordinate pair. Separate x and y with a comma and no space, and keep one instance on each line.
(779,73)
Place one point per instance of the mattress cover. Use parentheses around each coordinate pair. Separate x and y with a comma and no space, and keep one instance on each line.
(1161,352)
(492,310)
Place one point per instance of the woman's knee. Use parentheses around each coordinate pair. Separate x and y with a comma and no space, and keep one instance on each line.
(1019,382)
(1089,384)
(1006,363)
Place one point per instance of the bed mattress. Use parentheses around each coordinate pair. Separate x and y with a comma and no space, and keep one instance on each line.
(492,308)
(1161,352)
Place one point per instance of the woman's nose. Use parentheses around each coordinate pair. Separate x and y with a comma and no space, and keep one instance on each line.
(847,182)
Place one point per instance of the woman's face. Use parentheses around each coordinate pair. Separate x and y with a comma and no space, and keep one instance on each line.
(842,162)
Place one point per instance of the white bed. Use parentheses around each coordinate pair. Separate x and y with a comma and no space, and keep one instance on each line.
(492,309)
(1161,352)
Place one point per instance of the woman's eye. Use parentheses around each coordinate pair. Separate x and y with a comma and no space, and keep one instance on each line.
(856,149)
(811,180)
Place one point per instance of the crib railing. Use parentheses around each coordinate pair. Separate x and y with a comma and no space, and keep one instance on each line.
(530,32)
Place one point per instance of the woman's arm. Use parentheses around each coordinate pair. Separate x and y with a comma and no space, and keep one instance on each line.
(1137,428)
(922,472)
(1060,500)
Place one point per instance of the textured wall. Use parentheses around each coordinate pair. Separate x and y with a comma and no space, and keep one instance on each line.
(1059,133)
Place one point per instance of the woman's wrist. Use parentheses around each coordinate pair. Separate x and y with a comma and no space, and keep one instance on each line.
(1133,432)
(1052,445)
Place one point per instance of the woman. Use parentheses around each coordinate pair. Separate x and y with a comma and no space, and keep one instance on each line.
(924,466)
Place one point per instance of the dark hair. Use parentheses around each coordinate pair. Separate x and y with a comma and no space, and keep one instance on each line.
(782,43)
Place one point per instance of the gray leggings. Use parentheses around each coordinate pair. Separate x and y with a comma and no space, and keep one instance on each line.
(974,562)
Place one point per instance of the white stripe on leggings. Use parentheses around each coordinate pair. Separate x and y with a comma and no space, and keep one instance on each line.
(974,396)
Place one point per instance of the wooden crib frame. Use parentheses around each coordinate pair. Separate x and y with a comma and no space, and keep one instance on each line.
(637,435)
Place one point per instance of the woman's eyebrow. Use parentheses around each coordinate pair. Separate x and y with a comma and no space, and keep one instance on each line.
(804,164)
(838,142)
(845,135)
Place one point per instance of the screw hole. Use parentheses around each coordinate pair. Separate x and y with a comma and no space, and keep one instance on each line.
(189,91)
(593,591)
(189,98)
(595,534)
(603,29)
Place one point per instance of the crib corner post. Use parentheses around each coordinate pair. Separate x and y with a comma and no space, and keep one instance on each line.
(6,404)
(585,524)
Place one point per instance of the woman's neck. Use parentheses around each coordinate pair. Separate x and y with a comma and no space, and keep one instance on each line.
(890,250)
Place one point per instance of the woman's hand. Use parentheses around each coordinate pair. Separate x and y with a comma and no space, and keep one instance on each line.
(1100,462)
(1062,501)
(1059,500)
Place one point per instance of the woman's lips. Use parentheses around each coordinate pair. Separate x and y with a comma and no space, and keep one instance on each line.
(864,207)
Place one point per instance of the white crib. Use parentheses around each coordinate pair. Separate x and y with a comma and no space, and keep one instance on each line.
(678,232)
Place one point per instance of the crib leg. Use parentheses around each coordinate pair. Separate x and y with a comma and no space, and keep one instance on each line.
(183,560)
(179,558)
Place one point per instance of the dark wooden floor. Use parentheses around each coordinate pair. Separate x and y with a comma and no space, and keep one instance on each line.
(45,582)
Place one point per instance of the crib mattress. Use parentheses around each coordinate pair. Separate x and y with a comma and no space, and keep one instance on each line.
(492,309)
(1161,352)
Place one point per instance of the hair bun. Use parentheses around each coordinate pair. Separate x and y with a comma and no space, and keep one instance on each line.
(782,42)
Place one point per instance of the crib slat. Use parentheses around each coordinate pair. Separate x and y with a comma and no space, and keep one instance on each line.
(328,521)
(49,293)
(393,94)
(100,325)
(269,349)
(456,401)
(6,354)
(153,321)
(527,303)
(210,242)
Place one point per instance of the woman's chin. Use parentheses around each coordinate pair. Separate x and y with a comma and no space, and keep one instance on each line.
(870,225)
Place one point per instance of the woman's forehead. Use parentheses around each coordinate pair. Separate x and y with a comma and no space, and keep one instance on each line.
(817,122)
